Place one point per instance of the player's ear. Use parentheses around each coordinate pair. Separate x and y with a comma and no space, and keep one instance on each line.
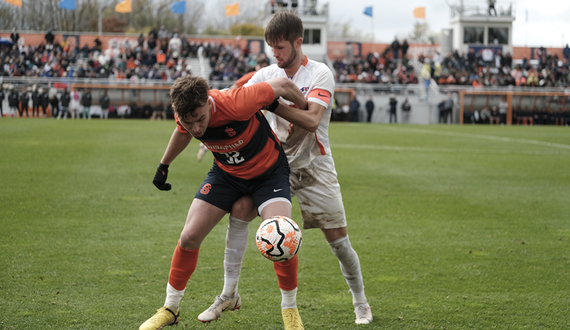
(298,42)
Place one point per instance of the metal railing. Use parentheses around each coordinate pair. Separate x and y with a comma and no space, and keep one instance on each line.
(480,8)
(42,82)
(308,8)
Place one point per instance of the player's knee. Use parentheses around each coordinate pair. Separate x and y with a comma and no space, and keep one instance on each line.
(189,241)
(334,234)
(244,209)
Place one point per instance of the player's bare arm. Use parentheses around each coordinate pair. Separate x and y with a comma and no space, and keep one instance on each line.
(307,119)
(285,88)
(178,142)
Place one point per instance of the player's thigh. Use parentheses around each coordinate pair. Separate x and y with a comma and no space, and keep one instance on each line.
(318,192)
(273,194)
(276,208)
(202,217)
(321,207)
(244,209)
(220,190)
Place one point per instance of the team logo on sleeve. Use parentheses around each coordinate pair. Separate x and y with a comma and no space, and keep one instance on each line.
(304,89)
(230,131)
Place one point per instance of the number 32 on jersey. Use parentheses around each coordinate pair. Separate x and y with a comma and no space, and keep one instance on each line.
(233,157)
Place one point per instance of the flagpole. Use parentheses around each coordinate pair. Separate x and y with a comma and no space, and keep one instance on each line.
(372,28)
(21,17)
(100,22)
(526,30)
(76,28)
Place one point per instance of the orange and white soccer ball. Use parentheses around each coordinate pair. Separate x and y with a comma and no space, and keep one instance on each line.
(278,238)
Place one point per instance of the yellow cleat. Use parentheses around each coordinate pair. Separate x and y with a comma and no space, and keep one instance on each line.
(292,319)
(163,317)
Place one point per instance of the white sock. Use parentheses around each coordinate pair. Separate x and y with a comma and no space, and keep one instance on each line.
(350,267)
(236,243)
(173,297)
(288,299)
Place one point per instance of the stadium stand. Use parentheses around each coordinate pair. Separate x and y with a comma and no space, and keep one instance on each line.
(145,61)
(145,58)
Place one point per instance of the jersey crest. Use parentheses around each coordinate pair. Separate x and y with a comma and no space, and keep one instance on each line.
(230,131)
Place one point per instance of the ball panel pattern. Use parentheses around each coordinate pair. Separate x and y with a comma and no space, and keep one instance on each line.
(278,238)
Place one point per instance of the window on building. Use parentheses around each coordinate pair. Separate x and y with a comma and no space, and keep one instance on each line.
(312,36)
(499,36)
(473,35)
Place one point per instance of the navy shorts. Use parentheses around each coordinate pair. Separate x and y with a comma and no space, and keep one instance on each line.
(223,190)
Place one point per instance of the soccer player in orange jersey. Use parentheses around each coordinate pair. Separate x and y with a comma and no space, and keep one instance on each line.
(305,139)
(249,160)
(239,83)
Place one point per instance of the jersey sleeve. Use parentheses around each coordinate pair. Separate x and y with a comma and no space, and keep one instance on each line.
(258,77)
(323,87)
(245,101)
(319,96)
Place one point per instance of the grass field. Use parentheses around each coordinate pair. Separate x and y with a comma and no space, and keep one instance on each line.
(457,227)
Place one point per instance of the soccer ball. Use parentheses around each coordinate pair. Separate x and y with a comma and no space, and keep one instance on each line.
(278,238)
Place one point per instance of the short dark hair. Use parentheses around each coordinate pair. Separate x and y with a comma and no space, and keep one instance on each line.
(284,25)
(188,93)
(263,62)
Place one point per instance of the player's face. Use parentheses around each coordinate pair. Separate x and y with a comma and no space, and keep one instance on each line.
(284,53)
(197,122)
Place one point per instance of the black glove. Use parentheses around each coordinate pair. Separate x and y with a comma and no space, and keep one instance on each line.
(160,178)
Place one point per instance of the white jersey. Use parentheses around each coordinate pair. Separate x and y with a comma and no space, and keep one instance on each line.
(300,145)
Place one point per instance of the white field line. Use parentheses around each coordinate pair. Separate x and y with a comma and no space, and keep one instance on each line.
(485,137)
(445,150)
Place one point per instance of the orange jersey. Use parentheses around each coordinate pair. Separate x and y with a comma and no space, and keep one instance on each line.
(245,78)
(238,135)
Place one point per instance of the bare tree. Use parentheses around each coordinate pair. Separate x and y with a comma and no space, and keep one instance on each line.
(36,15)
(9,16)
(344,31)
(423,34)
(41,15)
(152,14)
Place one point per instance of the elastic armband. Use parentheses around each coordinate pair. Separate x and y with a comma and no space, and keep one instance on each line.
(273,106)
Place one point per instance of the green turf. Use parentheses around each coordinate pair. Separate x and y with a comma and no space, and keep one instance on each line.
(457,227)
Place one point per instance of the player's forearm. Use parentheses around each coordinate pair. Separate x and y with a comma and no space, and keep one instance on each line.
(307,119)
(178,142)
(285,88)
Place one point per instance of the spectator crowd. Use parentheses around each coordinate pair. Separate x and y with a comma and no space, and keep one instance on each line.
(161,55)
(486,67)
(493,69)
(391,66)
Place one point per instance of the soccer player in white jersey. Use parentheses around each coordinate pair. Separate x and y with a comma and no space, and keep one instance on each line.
(304,137)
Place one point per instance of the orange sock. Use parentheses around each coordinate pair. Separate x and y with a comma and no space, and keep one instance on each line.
(286,272)
(183,265)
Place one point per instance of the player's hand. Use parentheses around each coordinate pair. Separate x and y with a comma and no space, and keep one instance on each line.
(160,178)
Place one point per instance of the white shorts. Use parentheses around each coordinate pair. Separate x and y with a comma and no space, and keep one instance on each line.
(318,192)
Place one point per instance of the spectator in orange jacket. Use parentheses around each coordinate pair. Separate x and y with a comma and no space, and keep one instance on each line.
(161,57)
